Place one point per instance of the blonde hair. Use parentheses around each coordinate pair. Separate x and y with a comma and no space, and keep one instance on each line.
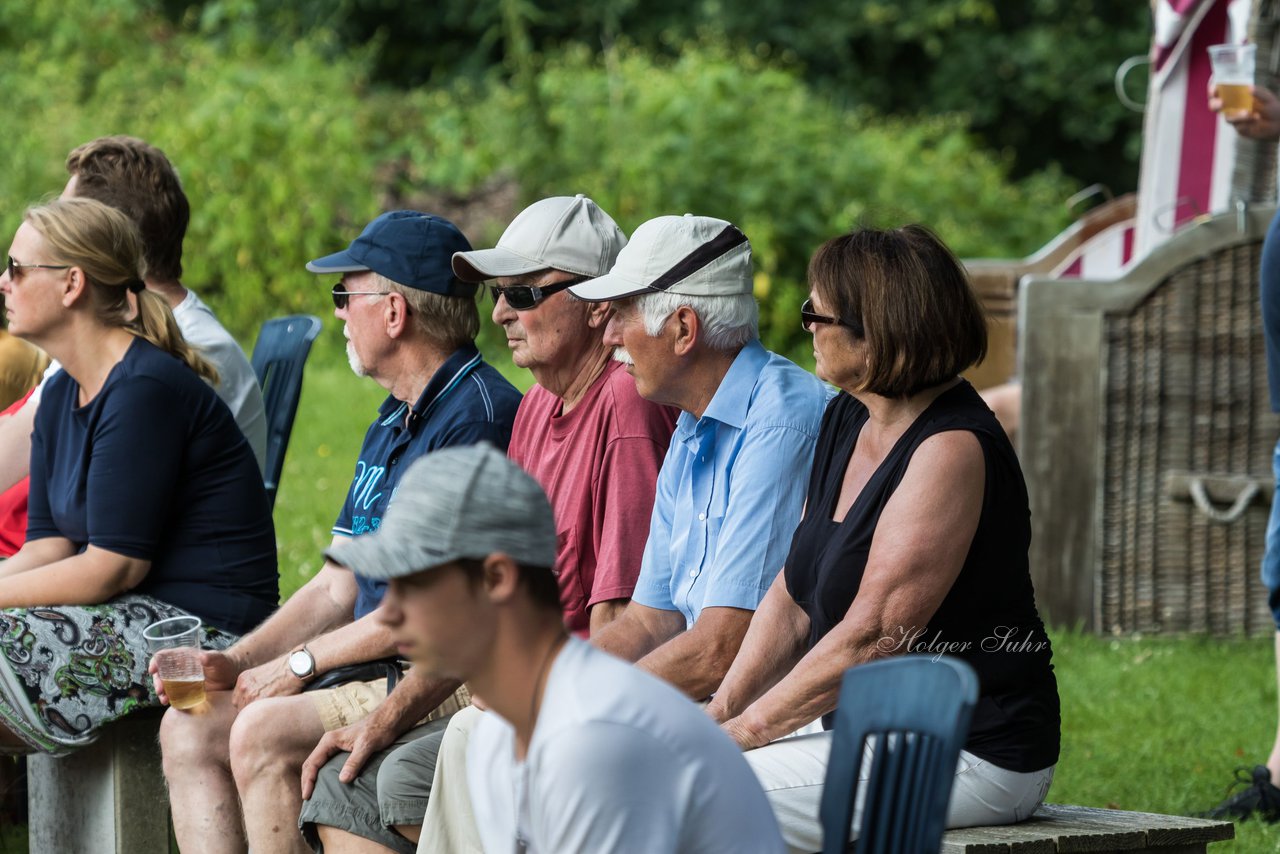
(104,244)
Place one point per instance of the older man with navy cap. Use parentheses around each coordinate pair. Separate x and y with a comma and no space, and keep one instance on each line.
(233,769)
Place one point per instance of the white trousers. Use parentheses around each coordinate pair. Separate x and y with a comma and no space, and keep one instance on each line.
(792,772)
(449,827)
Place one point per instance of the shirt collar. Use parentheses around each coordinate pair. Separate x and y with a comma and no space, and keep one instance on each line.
(732,399)
(446,378)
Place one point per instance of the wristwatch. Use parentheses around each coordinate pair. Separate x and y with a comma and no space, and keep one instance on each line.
(302,663)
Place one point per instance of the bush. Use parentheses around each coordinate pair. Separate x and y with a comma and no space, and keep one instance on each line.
(286,150)
(725,135)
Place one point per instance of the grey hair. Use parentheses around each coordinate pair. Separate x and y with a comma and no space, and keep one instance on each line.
(449,322)
(728,322)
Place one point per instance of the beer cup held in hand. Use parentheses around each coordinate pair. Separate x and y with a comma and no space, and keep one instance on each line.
(174,645)
(1233,67)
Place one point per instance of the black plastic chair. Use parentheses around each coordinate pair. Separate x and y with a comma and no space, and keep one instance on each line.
(278,358)
(918,710)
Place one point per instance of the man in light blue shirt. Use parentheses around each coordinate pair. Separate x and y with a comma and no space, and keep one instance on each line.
(732,485)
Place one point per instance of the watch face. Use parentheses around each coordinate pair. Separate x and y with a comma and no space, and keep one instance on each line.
(301,663)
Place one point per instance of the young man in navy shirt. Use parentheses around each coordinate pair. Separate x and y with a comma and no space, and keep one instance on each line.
(410,325)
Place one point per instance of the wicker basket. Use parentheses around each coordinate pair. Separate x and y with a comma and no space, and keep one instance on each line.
(1147,439)
(1186,402)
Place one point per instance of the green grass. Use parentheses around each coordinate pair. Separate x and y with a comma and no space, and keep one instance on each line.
(1159,724)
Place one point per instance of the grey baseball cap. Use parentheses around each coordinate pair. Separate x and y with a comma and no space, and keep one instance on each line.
(690,255)
(456,503)
(569,233)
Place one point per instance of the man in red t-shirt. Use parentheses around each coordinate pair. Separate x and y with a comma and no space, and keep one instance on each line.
(588,438)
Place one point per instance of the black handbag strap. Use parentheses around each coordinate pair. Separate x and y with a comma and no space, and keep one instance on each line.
(391,668)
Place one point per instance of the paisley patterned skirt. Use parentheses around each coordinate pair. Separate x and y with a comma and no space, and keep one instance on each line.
(67,670)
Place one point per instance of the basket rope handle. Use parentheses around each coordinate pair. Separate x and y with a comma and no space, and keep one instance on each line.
(1225,517)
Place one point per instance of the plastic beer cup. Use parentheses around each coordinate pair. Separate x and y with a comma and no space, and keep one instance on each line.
(1233,66)
(174,645)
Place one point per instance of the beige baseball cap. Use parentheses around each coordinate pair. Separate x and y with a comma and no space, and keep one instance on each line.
(690,255)
(569,233)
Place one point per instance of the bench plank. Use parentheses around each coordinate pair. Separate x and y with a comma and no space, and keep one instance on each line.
(1161,830)
(1058,829)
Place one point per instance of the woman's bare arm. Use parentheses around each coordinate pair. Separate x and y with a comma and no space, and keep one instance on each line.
(917,551)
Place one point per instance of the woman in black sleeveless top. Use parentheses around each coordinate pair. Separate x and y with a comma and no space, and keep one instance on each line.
(914,539)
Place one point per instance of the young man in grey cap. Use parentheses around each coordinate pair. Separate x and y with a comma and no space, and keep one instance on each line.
(233,770)
(571,734)
(593,444)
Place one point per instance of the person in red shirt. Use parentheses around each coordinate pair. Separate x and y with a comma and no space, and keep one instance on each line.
(13,501)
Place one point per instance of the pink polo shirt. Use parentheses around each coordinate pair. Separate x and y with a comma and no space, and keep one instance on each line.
(599,464)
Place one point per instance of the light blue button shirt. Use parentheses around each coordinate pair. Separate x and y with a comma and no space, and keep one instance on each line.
(731,488)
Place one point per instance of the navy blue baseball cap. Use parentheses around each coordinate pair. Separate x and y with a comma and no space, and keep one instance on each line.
(410,248)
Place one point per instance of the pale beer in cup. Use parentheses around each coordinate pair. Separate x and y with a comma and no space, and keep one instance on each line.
(175,648)
(1233,67)
(182,676)
(1237,99)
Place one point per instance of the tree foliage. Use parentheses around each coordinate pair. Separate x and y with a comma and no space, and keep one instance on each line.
(287,148)
(1031,77)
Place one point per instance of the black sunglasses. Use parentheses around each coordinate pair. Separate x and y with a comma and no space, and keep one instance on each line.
(341,296)
(13,267)
(808,317)
(525,297)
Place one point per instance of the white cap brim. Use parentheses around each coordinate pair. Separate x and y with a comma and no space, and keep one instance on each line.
(609,287)
(482,264)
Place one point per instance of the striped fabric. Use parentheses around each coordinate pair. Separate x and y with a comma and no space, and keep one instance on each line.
(1188,152)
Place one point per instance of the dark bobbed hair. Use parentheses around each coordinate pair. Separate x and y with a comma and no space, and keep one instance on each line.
(910,295)
(134,176)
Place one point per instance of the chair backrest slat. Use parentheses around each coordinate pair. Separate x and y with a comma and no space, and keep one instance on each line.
(916,710)
(278,359)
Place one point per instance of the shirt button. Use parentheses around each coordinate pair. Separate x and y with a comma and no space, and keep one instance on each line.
(702,517)
(693,573)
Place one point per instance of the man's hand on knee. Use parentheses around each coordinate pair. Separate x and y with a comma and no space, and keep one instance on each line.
(361,739)
(273,679)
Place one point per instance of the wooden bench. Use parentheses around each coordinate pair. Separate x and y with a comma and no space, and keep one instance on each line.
(1055,828)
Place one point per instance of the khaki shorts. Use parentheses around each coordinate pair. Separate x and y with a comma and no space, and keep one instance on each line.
(355,701)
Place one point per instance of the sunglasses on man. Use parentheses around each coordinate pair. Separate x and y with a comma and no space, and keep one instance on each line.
(525,297)
(342,296)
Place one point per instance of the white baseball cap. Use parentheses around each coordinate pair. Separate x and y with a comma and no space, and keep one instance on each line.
(569,233)
(690,255)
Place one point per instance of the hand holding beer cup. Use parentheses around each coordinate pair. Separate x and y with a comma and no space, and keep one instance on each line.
(1264,120)
(174,645)
(1233,66)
